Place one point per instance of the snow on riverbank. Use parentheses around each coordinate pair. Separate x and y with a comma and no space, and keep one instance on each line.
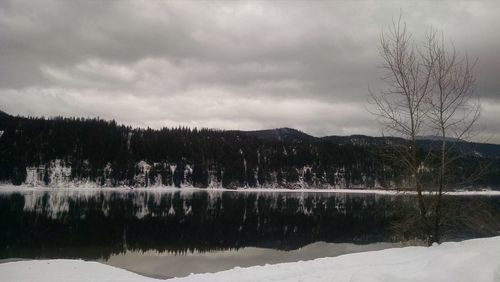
(62,270)
(471,260)
(168,189)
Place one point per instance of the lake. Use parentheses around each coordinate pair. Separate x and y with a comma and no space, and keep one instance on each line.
(167,233)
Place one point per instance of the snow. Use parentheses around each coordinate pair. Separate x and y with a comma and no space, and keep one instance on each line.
(65,271)
(58,173)
(471,260)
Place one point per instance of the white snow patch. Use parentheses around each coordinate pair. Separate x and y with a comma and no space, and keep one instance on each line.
(142,176)
(471,260)
(58,174)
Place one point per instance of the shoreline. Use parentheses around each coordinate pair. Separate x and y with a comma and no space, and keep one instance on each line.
(168,189)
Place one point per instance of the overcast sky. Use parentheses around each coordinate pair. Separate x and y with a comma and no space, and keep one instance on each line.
(231,65)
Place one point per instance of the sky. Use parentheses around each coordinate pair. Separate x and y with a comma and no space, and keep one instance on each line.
(244,65)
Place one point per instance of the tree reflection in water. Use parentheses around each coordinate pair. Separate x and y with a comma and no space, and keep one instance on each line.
(95,225)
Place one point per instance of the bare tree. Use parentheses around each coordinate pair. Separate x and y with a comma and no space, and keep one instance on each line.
(429,89)
(453,110)
(401,108)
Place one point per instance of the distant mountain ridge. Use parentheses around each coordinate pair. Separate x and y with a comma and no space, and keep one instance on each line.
(287,134)
(296,136)
(284,134)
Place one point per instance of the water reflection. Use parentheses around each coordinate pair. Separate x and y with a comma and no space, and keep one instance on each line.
(99,225)
(166,265)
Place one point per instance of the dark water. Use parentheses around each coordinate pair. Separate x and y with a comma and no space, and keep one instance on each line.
(145,231)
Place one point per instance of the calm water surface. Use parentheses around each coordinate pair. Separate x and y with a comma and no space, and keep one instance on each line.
(174,233)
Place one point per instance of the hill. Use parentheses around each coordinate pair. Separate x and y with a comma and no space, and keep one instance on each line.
(75,151)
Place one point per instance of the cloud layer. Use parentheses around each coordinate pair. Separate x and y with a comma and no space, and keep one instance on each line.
(245,65)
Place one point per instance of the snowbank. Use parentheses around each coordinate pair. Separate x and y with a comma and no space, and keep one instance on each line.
(472,260)
(62,270)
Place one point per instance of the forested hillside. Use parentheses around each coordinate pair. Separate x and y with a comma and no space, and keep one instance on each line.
(74,151)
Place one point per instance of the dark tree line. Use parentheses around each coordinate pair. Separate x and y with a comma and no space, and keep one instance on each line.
(109,154)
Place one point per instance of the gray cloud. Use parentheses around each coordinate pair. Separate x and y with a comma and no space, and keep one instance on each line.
(247,65)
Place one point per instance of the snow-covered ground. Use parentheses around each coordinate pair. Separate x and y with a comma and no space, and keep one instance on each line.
(6,188)
(471,260)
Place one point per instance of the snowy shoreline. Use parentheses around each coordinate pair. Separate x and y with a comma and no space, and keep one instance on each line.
(470,260)
(168,189)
